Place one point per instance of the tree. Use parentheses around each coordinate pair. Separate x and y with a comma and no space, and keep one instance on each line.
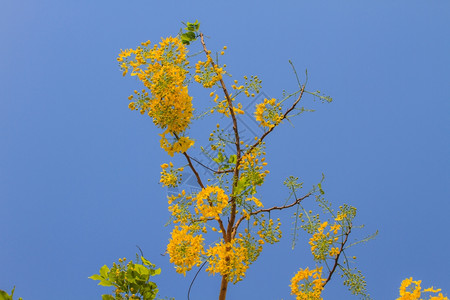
(228,205)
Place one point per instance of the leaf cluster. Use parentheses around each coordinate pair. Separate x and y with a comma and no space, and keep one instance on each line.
(191,33)
(131,280)
(5,296)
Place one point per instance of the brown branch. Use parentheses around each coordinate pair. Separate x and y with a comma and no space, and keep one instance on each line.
(237,143)
(297,201)
(259,141)
(337,256)
(194,170)
(188,158)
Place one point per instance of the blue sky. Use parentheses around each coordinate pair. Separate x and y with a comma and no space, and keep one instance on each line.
(79,172)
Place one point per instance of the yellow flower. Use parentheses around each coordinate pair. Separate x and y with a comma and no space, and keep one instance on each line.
(185,249)
(171,177)
(216,201)
(162,69)
(335,228)
(334,251)
(321,243)
(209,73)
(179,146)
(229,259)
(255,200)
(268,113)
(411,290)
(312,286)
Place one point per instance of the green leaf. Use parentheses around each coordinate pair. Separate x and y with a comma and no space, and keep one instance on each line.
(193,26)
(105,282)
(319,185)
(146,262)
(241,185)
(188,37)
(184,41)
(5,296)
(131,276)
(141,269)
(96,277)
(232,159)
(157,271)
(107,297)
(220,158)
(104,271)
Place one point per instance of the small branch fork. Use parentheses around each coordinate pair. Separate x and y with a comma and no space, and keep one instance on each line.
(297,201)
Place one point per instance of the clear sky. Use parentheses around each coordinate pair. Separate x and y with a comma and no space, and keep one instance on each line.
(79,171)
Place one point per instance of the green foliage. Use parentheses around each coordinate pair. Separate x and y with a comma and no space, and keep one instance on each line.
(131,280)
(5,296)
(355,282)
(191,32)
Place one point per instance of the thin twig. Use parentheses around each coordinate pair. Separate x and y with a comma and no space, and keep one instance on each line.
(203,165)
(192,282)
(336,260)
(210,169)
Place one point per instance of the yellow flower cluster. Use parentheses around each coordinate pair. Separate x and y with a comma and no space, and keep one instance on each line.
(162,70)
(252,161)
(269,113)
(252,165)
(185,249)
(207,72)
(269,233)
(340,216)
(229,259)
(311,287)
(216,201)
(252,86)
(255,200)
(170,177)
(181,145)
(223,107)
(321,242)
(180,209)
(411,290)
